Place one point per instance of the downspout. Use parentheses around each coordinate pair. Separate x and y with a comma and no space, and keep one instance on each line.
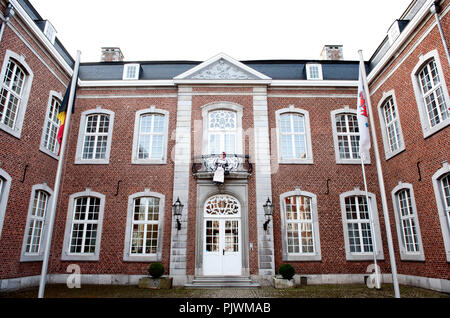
(9,12)
(434,9)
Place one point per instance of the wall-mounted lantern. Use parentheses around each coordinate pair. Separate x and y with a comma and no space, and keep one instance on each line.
(177,208)
(268,211)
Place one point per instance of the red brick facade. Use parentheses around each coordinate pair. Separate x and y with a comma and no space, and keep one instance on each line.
(325,178)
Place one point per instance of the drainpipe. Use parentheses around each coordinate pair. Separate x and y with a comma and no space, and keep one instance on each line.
(434,9)
(9,12)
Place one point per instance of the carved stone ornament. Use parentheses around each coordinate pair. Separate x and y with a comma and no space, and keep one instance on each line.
(222,70)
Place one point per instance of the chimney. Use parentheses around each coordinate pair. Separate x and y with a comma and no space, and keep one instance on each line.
(332,53)
(111,54)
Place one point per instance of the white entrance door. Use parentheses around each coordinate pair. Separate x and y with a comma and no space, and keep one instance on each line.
(222,237)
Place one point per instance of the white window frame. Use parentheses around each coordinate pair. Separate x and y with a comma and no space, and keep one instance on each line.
(16,131)
(31,257)
(423,113)
(316,255)
(58,96)
(404,253)
(127,67)
(309,73)
(136,136)
(81,136)
(444,220)
(50,31)
(4,195)
(383,125)
(309,153)
(228,106)
(339,160)
(127,256)
(351,256)
(66,255)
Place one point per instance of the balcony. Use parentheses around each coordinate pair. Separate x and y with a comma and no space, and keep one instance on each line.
(235,166)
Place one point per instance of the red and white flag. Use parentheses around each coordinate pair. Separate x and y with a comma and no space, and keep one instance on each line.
(363,114)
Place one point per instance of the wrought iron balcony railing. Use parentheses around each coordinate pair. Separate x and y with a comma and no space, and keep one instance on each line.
(232,164)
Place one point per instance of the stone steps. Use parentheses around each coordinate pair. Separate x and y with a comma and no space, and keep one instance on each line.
(222,282)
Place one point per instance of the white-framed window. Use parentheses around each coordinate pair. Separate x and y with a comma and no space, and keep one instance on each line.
(358,231)
(16,78)
(300,229)
(222,128)
(294,136)
(131,72)
(144,227)
(36,229)
(50,31)
(84,226)
(150,136)
(5,185)
(407,223)
(391,130)
(431,93)
(94,137)
(313,71)
(49,143)
(441,186)
(346,136)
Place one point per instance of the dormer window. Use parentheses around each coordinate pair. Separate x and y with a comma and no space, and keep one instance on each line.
(313,71)
(131,72)
(50,31)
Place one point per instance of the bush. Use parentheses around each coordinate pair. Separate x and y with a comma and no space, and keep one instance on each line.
(156,270)
(286,271)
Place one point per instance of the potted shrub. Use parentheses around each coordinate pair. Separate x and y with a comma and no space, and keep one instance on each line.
(156,280)
(285,278)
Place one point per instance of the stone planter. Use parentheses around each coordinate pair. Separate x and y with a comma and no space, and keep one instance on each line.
(281,283)
(155,283)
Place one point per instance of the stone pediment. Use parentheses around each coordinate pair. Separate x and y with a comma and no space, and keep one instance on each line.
(221,68)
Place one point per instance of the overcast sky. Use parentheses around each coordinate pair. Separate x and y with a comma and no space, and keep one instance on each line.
(199,29)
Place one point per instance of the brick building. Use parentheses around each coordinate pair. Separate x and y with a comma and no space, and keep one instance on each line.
(147,134)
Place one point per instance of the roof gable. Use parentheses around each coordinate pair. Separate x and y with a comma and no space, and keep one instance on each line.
(222,68)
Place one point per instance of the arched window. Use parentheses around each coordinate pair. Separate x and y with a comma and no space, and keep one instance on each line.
(49,143)
(222,131)
(5,185)
(431,93)
(150,136)
(408,229)
(145,221)
(294,136)
(36,229)
(84,226)
(94,138)
(441,185)
(16,78)
(358,231)
(300,226)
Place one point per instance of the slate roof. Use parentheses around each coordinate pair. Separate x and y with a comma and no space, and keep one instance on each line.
(275,69)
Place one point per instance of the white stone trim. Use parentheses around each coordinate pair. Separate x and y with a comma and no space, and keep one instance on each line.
(376,230)
(305,114)
(42,148)
(152,110)
(66,255)
(222,105)
(30,257)
(4,196)
(426,126)
(16,131)
(317,255)
(130,212)
(81,133)
(440,206)
(345,110)
(405,255)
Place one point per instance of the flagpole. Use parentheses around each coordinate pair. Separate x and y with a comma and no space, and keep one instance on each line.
(380,182)
(374,238)
(52,211)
